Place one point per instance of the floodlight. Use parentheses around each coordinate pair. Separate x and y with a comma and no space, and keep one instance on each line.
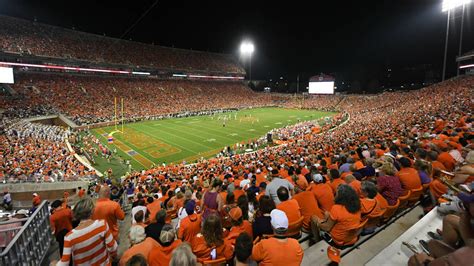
(451,4)
(247,48)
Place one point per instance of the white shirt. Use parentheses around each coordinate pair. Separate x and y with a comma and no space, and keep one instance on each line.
(135,210)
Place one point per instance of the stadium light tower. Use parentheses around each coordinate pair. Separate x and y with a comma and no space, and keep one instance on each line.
(449,5)
(246,49)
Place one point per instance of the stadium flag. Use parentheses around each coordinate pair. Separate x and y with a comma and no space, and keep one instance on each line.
(110,138)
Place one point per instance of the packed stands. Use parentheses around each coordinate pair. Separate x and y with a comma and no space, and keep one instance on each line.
(33,38)
(142,97)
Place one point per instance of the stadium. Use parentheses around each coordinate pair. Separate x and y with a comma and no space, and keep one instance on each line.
(122,152)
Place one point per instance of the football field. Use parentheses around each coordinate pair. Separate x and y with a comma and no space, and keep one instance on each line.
(188,139)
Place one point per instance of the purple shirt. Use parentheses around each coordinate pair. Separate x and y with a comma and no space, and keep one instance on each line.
(390,188)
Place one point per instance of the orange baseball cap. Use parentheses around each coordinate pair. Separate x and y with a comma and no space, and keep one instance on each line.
(334,254)
(235,213)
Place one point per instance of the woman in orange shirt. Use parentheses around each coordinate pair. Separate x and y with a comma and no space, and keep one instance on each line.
(343,218)
(210,244)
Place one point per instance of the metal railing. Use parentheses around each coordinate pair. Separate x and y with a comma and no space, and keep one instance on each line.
(31,243)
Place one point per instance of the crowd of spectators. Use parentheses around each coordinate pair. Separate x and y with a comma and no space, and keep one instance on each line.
(33,152)
(330,177)
(143,98)
(34,38)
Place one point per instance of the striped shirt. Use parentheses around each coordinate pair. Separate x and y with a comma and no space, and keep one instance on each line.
(91,245)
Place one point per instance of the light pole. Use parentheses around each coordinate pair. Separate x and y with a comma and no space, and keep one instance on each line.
(449,5)
(246,49)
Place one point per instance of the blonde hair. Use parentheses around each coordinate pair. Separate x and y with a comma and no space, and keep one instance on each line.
(388,168)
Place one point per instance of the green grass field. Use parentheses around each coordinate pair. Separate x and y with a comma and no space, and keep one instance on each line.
(174,140)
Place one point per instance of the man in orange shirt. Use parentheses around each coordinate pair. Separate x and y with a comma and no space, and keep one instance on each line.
(309,208)
(239,225)
(153,207)
(278,250)
(108,210)
(287,205)
(61,222)
(336,179)
(408,175)
(191,225)
(161,256)
(322,192)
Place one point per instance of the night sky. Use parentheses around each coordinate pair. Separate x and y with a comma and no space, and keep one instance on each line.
(298,37)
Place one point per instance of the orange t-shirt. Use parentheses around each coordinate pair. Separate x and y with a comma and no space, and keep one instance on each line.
(190,226)
(110,211)
(291,209)
(357,186)
(447,160)
(61,219)
(309,207)
(237,194)
(382,201)
(344,223)
(235,231)
(153,208)
(144,248)
(409,178)
(370,207)
(323,195)
(203,251)
(161,256)
(335,183)
(275,252)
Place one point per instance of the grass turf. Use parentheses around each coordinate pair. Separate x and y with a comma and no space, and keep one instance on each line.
(188,139)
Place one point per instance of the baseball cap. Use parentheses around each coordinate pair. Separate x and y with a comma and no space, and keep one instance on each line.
(137,234)
(167,234)
(334,254)
(318,178)
(235,213)
(35,194)
(278,219)
(190,206)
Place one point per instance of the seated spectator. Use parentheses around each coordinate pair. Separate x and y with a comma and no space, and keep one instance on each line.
(153,230)
(275,184)
(141,244)
(269,251)
(309,209)
(191,224)
(322,192)
(336,179)
(161,256)
(183,256)
(289,206)
(210,244)
(343,218)
(408,175)
(354,183)
(262,224)
(239,225)
(243,249)
(388,184)
(137,260)
(456,246)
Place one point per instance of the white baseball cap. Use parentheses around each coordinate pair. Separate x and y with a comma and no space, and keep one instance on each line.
(278,219)
(318,178)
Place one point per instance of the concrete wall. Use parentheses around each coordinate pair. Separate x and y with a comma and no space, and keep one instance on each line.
(22,193)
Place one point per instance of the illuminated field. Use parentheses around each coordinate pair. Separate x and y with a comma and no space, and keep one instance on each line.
(188,139)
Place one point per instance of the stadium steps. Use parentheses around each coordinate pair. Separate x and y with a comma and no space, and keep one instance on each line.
(365,250)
